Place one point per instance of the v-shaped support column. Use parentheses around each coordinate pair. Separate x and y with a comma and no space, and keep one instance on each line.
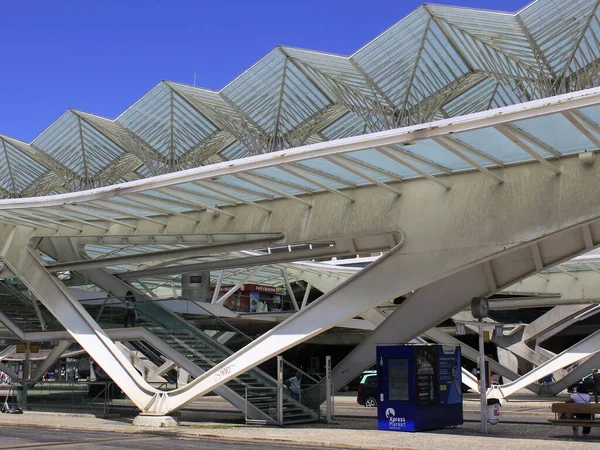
(447,296)
(20,256)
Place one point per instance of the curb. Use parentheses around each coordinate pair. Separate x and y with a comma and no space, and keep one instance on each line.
(213,436)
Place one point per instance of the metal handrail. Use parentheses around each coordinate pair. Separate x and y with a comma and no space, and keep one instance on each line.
(227,324)
(304,374)
(121,300)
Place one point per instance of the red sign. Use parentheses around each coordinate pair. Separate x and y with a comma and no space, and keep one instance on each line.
(252,288)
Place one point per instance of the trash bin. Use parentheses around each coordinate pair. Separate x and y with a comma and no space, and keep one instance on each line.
(493,411)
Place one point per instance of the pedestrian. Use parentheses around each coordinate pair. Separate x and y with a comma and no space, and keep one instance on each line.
(130,314)
(596,379)
(579,397)
(294,385)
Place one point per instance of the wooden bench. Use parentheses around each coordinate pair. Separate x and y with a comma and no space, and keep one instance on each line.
(576,408)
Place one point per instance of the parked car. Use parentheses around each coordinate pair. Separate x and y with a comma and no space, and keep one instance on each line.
(586,384)
(352,384)
(355,382)
(367,389)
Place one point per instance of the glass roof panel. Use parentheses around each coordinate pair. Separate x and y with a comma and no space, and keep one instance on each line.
(258,193)
(167,122)
(412,53)
(377,159)
(556,27)
(593,114)
(327,167)
(558,132)
(278,174)
(181,196)
(17,170)
(434,152)
(498,35)
(493,143)
(62,141)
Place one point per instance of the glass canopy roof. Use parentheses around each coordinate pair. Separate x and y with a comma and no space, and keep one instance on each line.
(539,131)
(438,62)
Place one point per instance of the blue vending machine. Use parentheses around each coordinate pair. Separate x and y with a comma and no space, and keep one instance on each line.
(419,387)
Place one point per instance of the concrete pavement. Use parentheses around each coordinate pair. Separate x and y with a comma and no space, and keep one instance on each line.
(360,431)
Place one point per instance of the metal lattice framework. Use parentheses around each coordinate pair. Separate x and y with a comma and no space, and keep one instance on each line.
(438,62)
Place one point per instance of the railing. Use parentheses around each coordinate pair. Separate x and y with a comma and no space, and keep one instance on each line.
(74,397)
(24,312)
(246,304)
(161,317)
(312,391)
(267,400)
(165,312)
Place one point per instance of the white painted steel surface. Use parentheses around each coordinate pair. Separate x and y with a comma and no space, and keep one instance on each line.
(452,253)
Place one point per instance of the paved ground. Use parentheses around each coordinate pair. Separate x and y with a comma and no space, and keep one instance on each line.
(36,438)
(524,426)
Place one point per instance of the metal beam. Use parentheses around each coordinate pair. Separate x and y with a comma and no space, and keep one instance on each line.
(54,355)
(248,261)
(390,152)
(449,145)
(218,287)
(344,164)
(239,284)
(162,255)
(306,294)
(288,286)
(509,134)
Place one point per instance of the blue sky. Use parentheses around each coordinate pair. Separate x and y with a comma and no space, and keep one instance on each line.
(101,56)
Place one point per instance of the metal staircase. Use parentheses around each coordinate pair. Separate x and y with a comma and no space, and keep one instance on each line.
(259,389)
(21,312)
(256,387)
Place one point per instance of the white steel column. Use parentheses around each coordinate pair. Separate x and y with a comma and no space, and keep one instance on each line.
(450,295)
(482,382)
(218,287)
(288,286)
(306,294)
(54,355)
(238,285)
(21,260)
(583,349)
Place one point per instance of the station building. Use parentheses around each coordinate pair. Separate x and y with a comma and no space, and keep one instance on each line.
(319,204)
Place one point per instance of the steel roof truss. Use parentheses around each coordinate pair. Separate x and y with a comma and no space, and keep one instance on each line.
(14,215)
(391,152)
(346,165)
(449,145)
(470,149)
(584,125)
(369,167)
(15,221)
(249,178)
(308,179)
(38,214)
(324,175)
(527,137)
(519,142)
(110,206)
(98,216)
(230,195)
(175,193)
(134,198)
